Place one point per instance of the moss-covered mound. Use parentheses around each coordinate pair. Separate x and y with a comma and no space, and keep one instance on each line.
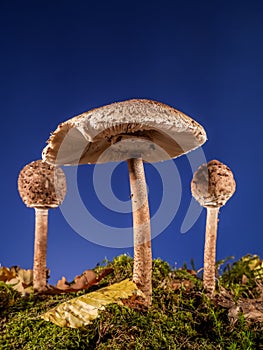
(181,317)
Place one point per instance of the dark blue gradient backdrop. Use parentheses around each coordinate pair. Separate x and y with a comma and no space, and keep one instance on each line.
(60,58)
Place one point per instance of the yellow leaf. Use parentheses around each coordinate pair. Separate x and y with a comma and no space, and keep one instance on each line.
(7,274)
(82,310)
(26,276)
(19,286)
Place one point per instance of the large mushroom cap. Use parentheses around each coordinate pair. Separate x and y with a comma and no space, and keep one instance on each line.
(119,131)
(42,185)
(213,184)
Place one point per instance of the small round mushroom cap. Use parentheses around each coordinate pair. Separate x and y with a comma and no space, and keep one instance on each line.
(213,184)
(42,185)
(129,129)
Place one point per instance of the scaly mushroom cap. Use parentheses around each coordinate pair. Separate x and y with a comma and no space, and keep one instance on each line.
(42,185)
(213,184)
(119,131)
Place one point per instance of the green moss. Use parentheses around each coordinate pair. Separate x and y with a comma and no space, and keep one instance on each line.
(181,316)
(243,276)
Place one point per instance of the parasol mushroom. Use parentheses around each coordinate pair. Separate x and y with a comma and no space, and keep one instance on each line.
(212,186)
(41,186)
(134,130)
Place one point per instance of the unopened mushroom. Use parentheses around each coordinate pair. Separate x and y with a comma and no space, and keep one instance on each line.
(41,186)
(212,186)
(134,130)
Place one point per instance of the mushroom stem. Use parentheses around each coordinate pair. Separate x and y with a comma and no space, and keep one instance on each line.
(40,250)
(210,249)
(142,270)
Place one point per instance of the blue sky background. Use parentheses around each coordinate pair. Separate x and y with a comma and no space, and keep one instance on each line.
(60,58)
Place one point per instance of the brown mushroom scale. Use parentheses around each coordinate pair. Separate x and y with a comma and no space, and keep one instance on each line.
(213,184)
(41,186)
(90,137)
